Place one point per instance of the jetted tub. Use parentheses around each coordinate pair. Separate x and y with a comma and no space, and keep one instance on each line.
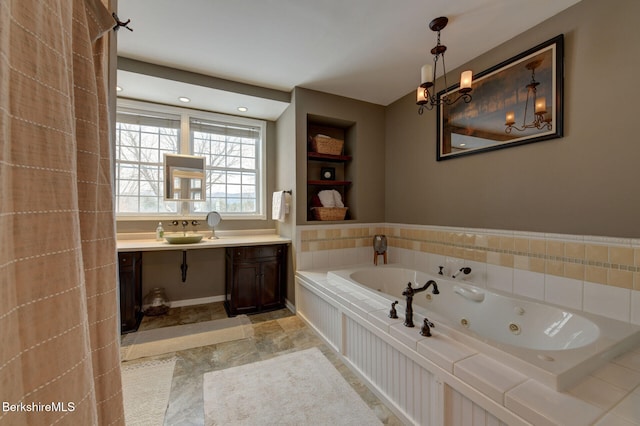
(551,344)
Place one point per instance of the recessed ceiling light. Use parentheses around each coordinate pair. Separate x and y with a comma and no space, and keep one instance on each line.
(243,109)
(118,89)
(184,99)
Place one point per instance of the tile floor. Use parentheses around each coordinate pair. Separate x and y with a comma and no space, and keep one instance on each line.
(275,333)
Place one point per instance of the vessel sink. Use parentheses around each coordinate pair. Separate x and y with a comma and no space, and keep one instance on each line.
(183,239)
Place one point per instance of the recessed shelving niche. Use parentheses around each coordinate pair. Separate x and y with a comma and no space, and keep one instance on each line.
(329,170)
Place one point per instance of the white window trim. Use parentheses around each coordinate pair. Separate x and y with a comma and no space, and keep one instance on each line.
(185,136)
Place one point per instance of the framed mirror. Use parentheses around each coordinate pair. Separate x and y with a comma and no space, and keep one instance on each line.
(516,102)
(184,178)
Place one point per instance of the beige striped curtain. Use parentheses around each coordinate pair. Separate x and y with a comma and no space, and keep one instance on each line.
(59,361)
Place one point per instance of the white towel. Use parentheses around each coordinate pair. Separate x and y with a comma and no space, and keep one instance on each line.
(330,198)
(279,206)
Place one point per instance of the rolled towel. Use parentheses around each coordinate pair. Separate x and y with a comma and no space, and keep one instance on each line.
(327,198)
(337,198)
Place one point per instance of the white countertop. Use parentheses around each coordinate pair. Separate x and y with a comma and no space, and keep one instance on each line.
(147,242)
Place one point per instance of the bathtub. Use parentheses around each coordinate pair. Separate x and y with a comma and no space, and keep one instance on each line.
(553,345)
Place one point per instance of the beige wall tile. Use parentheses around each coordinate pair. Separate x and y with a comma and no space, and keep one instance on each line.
(574,250)
(482,240)
(595,274)
(493,258)
(507,243)
(521,262)
(506,260)
(536,264)
(521,245)
(621,255)
(636,281)
(555,248)
(574,270)
(596,253)
(538,246)
(554,267)
(493,241)
(623,279)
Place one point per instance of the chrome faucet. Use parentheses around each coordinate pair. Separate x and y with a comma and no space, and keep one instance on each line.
(408,293)
(465,270)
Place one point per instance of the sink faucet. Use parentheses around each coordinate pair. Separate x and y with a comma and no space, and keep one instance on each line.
(465,270)
(408,293)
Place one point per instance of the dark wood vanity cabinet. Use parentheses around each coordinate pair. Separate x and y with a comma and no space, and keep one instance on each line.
(256,279)
(130,274)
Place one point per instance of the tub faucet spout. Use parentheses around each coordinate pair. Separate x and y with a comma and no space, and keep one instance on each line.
(408,293)
(466,270)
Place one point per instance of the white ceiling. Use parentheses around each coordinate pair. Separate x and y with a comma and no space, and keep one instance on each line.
(370,50)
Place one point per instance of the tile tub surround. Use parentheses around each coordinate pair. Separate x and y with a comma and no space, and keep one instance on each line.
(599,275)
(343,316)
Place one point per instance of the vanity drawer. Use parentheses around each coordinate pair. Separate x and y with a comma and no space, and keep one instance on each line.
(255,252)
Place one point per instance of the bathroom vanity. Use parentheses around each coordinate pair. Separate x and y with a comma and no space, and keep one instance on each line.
(254,275)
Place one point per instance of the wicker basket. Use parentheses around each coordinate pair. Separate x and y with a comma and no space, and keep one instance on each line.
(326,145)
(329,213)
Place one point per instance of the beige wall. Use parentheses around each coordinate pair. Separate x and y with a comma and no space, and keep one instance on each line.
(584,183)
(285,169)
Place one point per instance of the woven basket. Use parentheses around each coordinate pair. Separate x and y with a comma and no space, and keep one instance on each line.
(326,145)
(329,213)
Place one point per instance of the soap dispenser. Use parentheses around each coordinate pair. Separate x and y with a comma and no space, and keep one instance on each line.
(159,232)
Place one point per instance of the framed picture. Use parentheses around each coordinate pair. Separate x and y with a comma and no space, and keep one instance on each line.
(328,173)
(516,102)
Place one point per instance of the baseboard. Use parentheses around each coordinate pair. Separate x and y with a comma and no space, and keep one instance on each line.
(212,299)
(290,305)
(199,301)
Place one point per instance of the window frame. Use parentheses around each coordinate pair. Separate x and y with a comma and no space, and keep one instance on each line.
(185,146)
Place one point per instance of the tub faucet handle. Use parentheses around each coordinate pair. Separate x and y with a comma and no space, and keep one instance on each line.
(393,313)
(440,271)
(426,328)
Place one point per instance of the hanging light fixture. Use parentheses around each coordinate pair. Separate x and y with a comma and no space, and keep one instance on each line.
(541,119)
(427,95)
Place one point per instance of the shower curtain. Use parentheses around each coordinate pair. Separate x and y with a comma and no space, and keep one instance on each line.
(59,349)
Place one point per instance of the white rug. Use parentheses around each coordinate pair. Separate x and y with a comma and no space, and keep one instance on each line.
(299,388)
(180,337)
(145,388)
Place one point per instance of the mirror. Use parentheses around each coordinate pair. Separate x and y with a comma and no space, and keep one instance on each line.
(184,178)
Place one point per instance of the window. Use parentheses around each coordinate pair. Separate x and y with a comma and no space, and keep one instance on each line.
(234,155)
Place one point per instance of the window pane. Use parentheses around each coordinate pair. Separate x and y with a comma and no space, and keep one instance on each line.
(141,142)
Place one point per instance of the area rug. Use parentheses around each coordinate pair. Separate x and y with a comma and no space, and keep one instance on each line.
(180,337)
(145,388)
(298,388)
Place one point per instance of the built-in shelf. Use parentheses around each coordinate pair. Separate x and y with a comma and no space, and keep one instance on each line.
(328,157)
(329,182)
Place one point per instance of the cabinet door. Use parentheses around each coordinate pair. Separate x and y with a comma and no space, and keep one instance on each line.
(130,274)
(271,288)
(244,294)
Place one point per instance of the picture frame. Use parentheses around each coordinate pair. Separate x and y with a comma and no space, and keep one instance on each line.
(327,173)
(495,118)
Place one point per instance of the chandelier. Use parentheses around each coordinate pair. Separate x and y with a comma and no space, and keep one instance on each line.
(541,120)
(427,94)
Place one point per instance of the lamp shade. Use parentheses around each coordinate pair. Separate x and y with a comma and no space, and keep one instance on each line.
(465,79)
(421,97)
